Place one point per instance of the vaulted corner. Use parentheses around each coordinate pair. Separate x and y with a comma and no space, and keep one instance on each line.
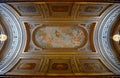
(51,38)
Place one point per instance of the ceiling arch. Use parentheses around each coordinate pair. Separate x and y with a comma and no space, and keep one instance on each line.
(102,34)
(14,43)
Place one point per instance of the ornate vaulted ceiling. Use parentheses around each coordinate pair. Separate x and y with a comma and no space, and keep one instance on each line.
(72,38)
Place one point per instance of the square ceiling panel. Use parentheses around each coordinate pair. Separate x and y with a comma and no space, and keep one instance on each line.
(91,9)
(27,9)
(60,9)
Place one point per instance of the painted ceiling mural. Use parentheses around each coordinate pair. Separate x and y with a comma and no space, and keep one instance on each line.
(60,37)
(73,38)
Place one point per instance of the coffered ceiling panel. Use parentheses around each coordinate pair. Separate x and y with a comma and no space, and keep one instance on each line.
(61,10)
(28,9)
(91,9)
(27,66)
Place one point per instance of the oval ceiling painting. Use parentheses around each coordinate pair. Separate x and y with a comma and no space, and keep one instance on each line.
(51,37)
